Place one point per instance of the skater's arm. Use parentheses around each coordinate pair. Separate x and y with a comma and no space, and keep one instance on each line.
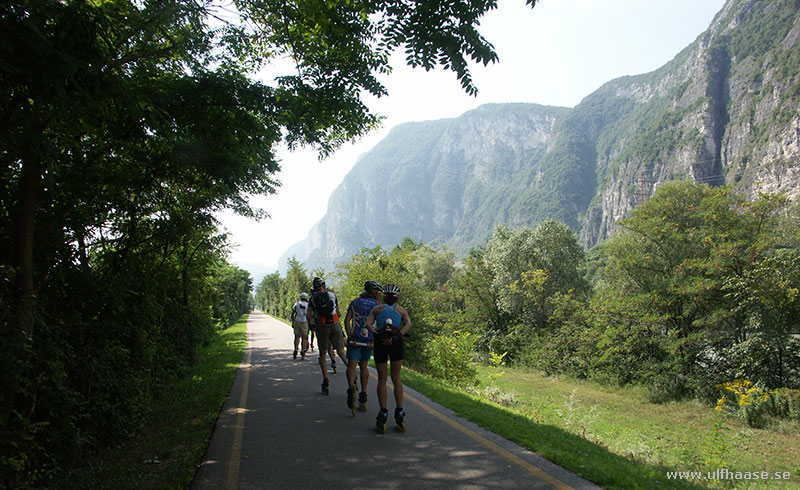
(406,320)
(348,320)
(371,318)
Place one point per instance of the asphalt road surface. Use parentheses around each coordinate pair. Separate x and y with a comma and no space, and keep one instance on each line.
(278,431)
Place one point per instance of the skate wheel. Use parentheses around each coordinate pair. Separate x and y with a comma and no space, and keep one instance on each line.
(381,428)
(401,426)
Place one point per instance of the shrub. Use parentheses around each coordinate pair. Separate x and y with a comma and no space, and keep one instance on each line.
(754,404)
(450,358)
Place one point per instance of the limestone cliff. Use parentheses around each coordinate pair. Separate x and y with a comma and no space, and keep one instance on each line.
(724,111)
(442,182)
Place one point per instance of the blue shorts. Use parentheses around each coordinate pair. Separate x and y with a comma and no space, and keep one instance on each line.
(359,352)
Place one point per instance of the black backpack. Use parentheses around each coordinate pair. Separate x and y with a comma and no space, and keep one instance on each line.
(323,303)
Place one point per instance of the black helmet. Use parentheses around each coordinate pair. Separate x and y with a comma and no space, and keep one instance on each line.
(371,286)
(391,289)
(318,282)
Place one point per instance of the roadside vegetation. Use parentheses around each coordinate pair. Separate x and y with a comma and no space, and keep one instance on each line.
(173,435)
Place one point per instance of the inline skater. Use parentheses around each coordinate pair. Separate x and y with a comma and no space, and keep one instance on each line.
(388,323)
(300,325)
(312,327)
(325,309)
(359,343)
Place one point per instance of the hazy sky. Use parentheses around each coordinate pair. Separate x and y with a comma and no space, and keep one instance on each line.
(554,54)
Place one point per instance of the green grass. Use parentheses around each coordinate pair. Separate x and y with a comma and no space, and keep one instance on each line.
(616,437)
(174,438)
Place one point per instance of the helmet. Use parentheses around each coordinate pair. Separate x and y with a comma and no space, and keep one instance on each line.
(318,282)
(391,289)
(371,286)
(303,296)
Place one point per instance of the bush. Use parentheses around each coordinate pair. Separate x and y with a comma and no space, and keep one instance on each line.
(450,358)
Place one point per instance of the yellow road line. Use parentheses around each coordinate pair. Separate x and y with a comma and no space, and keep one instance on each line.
(231,481)
(513,458)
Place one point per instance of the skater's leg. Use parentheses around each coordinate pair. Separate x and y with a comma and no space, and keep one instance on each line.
(323,337)
(351,371)
(398,384)
(364,367)
(323,363)
(382,376)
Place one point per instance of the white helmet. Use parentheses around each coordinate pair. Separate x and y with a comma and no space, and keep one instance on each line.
(303,296)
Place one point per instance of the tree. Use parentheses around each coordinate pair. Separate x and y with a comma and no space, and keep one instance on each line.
(435,267)
(268,293)
(232,289)
(296,282)
(532,265)
(680,273)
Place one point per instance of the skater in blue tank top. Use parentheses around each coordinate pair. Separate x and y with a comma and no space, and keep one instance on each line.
(360,342)
(389,322)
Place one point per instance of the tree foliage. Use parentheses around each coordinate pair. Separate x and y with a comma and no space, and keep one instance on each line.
(695,274)
(528,268)
(124,126)
(276,295)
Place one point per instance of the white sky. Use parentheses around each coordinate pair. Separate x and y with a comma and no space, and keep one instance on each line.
(554,54)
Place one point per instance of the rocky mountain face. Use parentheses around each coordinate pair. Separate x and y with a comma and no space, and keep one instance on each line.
(724,111)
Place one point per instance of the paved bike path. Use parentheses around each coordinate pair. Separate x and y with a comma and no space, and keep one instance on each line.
(278,431)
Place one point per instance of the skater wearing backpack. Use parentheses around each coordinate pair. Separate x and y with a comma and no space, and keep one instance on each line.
(300,325)
(389,322)
(325,309)
(359,342)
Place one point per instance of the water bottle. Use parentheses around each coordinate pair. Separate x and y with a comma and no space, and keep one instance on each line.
(387,328)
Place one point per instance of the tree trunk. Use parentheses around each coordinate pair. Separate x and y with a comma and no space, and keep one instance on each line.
(21,324)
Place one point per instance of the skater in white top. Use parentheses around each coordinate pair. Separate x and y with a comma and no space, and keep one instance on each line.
(300,325)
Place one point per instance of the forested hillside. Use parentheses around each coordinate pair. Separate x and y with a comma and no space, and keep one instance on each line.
(726,110)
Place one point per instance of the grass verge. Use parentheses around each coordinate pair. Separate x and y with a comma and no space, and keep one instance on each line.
(616,438)
(172,442)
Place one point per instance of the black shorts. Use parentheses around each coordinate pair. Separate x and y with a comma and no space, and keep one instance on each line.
(394,352)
